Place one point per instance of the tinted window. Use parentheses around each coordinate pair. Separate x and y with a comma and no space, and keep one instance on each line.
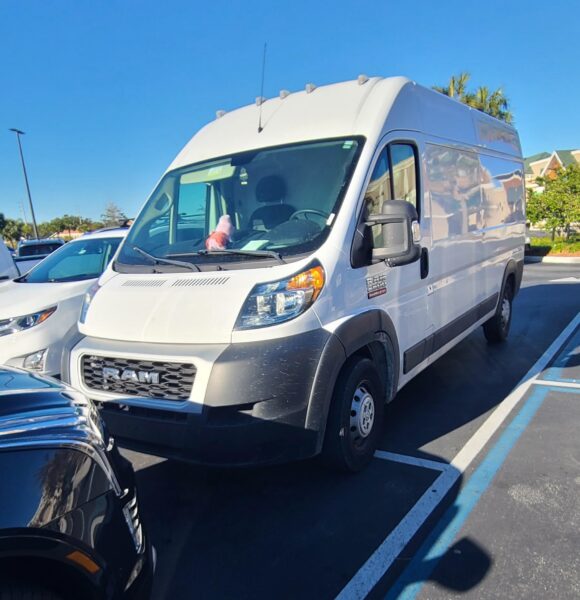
(78,260)
(37,249)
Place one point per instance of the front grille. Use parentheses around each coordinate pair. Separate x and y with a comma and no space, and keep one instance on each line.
(129,377)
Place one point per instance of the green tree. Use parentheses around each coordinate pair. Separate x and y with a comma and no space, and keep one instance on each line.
(2,222)
(493,103)
(457,86)
(13,231)
(558,206)
(113,215)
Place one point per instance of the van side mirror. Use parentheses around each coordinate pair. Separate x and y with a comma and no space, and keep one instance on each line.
(401,233)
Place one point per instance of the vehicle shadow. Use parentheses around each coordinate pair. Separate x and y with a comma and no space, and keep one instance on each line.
(286,532)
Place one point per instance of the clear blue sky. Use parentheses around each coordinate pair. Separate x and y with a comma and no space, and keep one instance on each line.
(108,92)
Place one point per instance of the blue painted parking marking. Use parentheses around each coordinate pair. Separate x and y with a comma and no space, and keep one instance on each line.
(409,584)
(381,560)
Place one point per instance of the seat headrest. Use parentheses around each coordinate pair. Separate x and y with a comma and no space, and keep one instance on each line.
(271,188)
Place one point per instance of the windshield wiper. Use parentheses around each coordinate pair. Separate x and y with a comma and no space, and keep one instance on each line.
(256,253)
(166,261)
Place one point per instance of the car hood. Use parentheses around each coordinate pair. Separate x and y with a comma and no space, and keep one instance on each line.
(17,299)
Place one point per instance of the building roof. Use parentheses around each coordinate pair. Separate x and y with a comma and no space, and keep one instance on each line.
(566,157)
(530,159)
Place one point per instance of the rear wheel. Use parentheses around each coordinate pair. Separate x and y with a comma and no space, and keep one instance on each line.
(355,418)
(497,328)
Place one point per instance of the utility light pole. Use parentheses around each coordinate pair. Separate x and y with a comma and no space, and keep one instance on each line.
(18,134)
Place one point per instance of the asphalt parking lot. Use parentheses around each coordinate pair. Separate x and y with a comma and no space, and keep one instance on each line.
(475,490)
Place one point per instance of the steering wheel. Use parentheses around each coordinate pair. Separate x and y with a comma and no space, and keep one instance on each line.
(306,211)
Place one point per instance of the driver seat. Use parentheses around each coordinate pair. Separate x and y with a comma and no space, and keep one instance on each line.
(271,190)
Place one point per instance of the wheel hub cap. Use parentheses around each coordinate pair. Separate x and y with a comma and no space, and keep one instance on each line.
(505,311)
(362,414)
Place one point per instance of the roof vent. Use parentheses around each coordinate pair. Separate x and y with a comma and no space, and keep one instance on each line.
(260,100)
(362,79)
(310,87)
(284,94)
(219,114)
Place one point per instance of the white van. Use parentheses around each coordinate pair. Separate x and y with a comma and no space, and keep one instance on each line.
(8,269)
(298,263)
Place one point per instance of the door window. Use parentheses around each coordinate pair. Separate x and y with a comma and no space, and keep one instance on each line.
(404,173)
(394,177)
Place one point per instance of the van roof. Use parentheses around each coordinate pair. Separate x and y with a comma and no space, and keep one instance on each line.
(364,107)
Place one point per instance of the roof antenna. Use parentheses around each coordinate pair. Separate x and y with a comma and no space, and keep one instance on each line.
(262,88)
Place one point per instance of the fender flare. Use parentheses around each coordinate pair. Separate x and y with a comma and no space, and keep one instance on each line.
(372,329)
(515,268)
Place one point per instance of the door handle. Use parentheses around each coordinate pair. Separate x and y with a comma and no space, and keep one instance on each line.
(424,263)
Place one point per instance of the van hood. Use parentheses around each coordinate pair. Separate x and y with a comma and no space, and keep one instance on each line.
(176,308)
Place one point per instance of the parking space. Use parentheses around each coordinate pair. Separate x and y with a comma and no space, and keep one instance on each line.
(299,531)
(515,523)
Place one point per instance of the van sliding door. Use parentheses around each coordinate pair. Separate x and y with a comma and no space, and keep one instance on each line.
(457,281)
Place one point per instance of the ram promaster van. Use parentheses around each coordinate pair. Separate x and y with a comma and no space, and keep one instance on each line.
(300,261)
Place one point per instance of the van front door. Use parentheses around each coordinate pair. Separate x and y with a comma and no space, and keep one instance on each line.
(400,291)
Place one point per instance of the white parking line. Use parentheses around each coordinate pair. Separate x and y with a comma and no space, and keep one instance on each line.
(383,557)
(412,460)
(552,383)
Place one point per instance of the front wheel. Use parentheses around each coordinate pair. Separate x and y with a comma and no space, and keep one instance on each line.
(355,418)
(497,328)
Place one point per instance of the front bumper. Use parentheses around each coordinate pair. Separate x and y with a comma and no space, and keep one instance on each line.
(251,403)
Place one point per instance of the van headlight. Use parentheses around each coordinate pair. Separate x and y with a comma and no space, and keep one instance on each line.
(279,301)
(14,324)
(89,295)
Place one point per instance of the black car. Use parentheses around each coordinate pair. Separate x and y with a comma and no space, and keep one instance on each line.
(69,522)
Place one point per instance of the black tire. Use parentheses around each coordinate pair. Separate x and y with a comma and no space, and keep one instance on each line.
(348,446)
(497,328)
(19,590)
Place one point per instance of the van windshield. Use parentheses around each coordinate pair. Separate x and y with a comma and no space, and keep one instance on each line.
(261,204)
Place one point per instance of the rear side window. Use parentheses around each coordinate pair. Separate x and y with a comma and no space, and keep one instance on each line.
(38,249)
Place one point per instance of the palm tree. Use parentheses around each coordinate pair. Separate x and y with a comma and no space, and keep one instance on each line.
(493,103)
(457,86)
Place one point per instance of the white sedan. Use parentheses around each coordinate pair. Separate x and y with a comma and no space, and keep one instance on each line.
(39,311)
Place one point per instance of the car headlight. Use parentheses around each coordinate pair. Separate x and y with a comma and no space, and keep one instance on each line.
(279,301)
(14,324)
(89,295)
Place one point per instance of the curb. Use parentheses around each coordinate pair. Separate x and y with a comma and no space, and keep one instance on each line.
(554,260)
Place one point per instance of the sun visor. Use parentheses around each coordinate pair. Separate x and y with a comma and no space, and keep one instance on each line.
(213,173)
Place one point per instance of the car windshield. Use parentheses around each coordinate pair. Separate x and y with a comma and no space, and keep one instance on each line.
(76,261)
(264,204)
(37,249)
